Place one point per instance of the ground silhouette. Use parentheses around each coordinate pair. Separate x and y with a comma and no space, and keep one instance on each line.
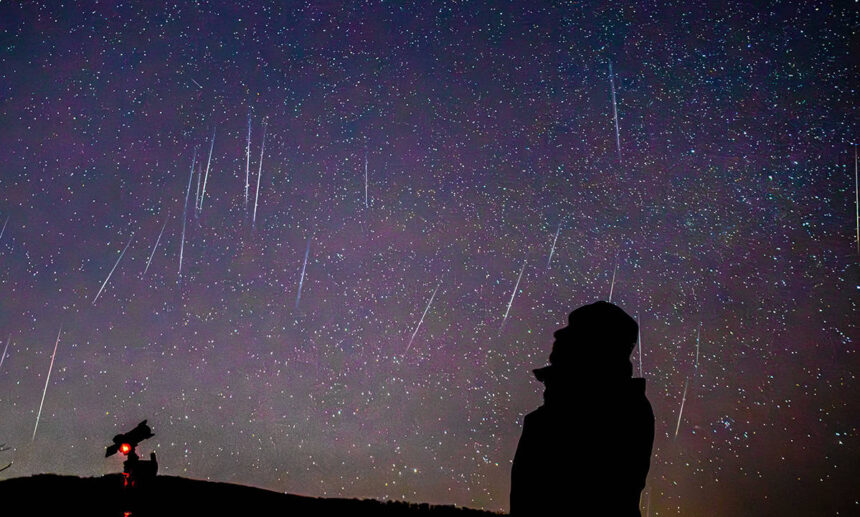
(587,450)
(168,496)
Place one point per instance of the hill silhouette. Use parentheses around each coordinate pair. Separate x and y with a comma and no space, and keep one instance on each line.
(51,494)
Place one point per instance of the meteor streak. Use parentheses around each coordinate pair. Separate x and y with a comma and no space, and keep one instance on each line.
(365,178)
(2,357)
(856,200)
(698,335)
(197,194)
(185,214)
(4,227)
(247,163)
(302,278)
(681,411)
(612,285)
(552,250)
(259,173)
(512,298)
(615,111)
(155,247)
(47,380)
(639,343)
(208,163)
(422,318)
(113,268)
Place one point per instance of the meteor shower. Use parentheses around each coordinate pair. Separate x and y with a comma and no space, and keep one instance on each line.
(319,247)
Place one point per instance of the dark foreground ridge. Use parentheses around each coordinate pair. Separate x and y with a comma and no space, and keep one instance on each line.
(50,494)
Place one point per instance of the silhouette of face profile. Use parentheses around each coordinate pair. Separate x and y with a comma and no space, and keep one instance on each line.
(596,343)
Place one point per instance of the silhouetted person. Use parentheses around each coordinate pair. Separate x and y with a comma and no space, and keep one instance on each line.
(587,450)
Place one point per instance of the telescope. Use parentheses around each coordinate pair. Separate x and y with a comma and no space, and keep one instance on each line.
(135,471)
(126,442)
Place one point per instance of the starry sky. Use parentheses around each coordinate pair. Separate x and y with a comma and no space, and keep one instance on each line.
(441,184)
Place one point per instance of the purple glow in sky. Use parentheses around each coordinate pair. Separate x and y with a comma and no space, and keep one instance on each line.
(418,148)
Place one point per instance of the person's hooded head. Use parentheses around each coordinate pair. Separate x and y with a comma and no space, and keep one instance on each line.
(594,346)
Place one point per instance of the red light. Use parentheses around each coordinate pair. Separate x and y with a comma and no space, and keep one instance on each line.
(125,448)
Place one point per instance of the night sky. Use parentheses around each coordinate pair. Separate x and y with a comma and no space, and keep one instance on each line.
(376,339)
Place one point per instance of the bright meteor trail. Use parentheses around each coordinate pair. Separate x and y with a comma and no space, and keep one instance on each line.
(259,173)
(639,343)
(422,319)
(615,111)
(681,411)
(612,284)
(247,164)
(2,357)
(155,247)
(113,268)
(856,199)
(197,193)
(185,213)
(698,335)
(512,298)
(552,250)
(208,163)
(302,278)
(365,178)
(47,380)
